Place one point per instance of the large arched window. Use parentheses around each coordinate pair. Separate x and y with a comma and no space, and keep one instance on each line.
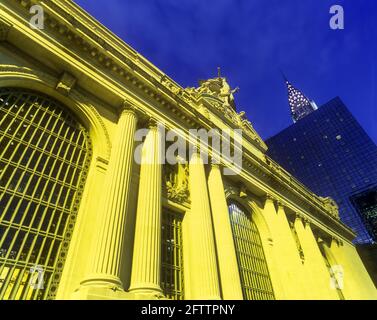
(255,278)
(44,159)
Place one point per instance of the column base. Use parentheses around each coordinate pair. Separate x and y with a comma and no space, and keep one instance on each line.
(109,293)
(102,280)
(147,292)
(100,293)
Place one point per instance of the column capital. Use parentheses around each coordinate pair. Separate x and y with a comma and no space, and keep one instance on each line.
(337,240)
(303,218)
(269,197)
(216,162)
(128,107)
(280,204)
(300,216)
(216,165)
(152,123)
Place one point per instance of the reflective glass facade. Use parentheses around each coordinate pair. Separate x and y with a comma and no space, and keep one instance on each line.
(332,155)
(365,203)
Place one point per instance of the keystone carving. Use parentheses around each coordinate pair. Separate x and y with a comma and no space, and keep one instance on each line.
(66,83)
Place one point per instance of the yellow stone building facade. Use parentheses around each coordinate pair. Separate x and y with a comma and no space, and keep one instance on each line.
(76,205)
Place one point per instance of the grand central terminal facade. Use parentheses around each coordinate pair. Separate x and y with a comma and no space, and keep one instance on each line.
(81,219)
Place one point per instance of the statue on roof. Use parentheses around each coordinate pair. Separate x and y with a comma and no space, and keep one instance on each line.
(226,94)
(219,88)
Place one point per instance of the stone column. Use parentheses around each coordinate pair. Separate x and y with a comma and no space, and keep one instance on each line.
(229,273)
(348,267)
(146,263)
(289,256)
(316,272)
(204,279)
(275,266)
(105,267)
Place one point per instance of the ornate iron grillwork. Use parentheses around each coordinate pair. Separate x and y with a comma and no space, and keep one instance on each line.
(255,277)
(172,256)
(44,159)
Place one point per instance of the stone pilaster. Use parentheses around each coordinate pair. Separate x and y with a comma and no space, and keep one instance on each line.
(146,263)
(105,267)
(204,279)
(228,266)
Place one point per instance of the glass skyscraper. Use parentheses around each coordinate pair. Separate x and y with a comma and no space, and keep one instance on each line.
(330,153)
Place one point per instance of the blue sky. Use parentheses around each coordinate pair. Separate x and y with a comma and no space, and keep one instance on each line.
(251,40)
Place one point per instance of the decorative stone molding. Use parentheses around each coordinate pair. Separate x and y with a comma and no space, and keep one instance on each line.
(331,207)
(66,83)
(243,191)
(176,182)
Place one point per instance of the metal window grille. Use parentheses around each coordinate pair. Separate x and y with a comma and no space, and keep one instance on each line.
(255,277)
(44,159)
(172,256)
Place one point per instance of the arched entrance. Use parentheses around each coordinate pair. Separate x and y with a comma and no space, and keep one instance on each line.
(44,159)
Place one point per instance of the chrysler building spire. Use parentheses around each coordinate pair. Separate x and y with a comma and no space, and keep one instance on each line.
(300,105)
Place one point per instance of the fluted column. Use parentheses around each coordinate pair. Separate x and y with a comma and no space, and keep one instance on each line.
(317,275)
(204,280)
(289,257)
(344,259)
(275,267)
(229,273)
(146,263)
(105,267)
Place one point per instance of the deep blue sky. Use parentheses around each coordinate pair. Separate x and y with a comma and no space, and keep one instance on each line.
(251,40)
